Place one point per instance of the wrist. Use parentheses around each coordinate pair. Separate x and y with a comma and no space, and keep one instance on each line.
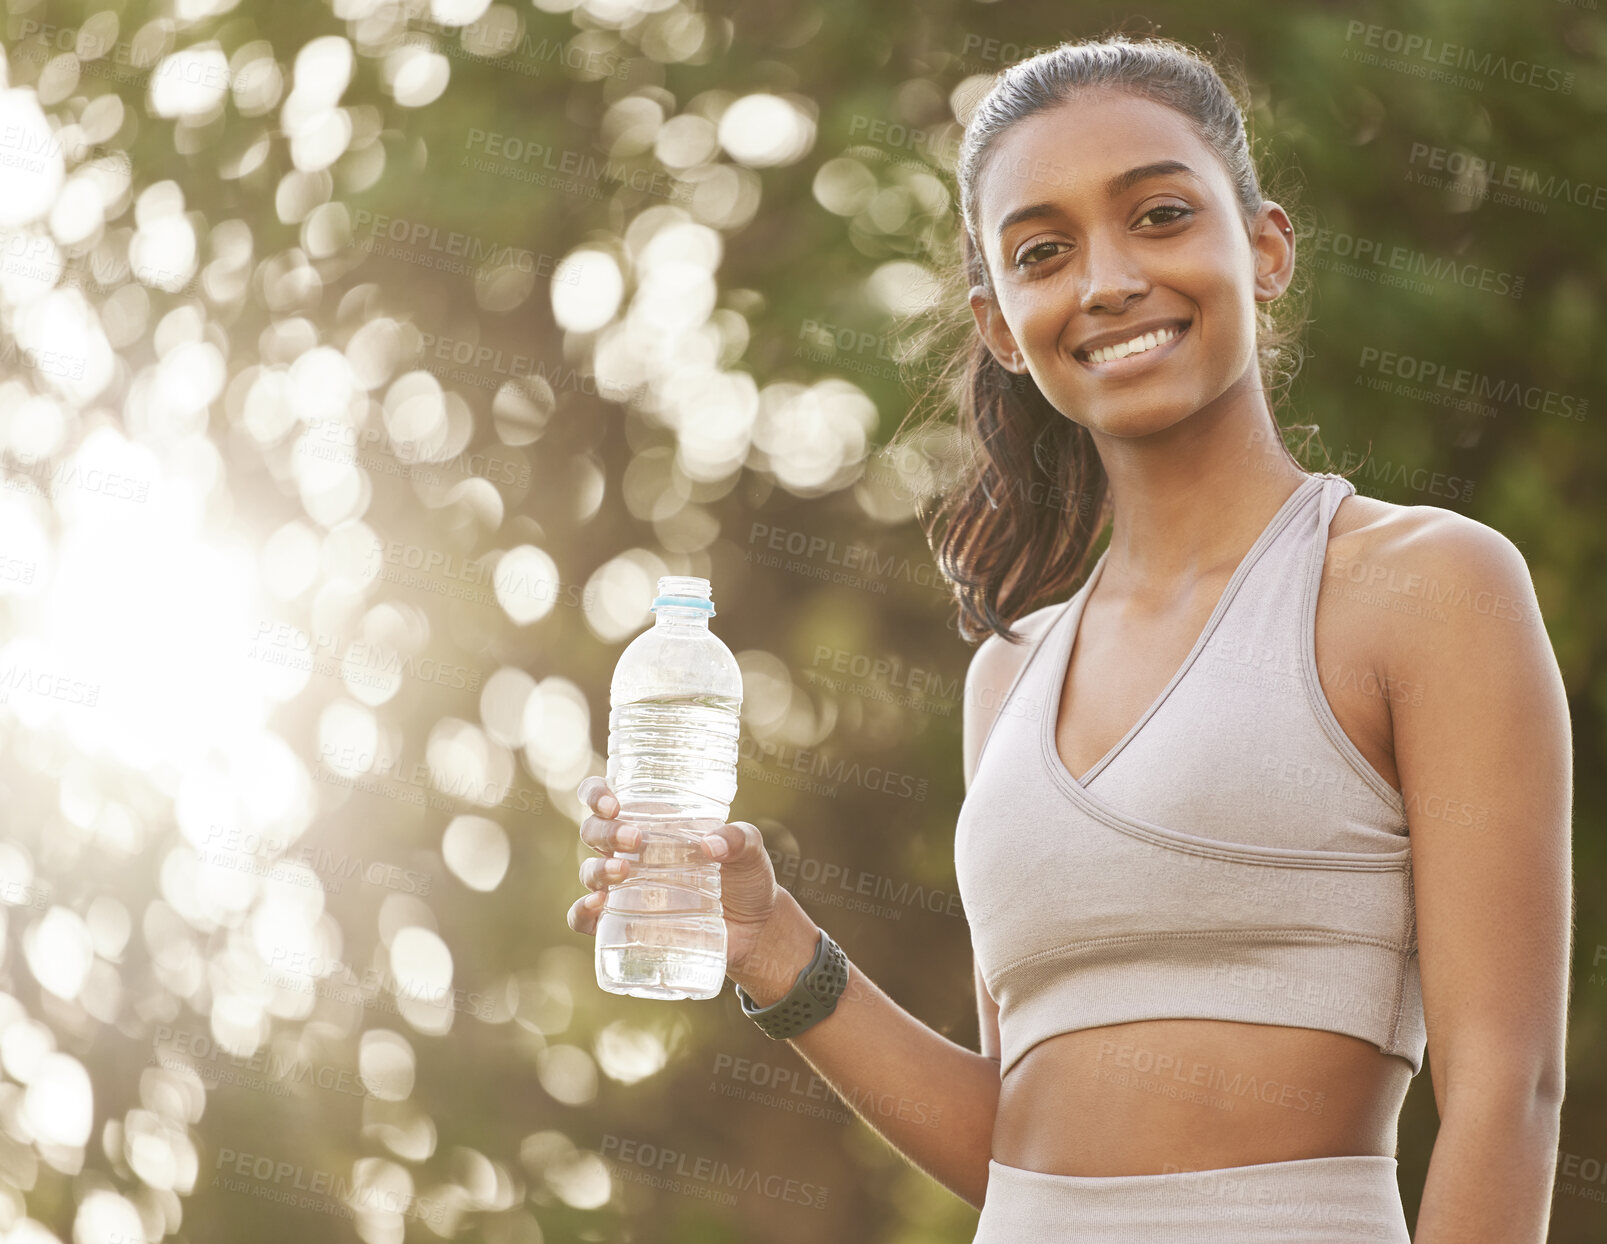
(784,949)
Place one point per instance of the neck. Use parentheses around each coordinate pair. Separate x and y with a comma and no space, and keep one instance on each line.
(1188,502)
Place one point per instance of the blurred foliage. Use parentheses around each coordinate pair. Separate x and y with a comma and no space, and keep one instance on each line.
(364,363)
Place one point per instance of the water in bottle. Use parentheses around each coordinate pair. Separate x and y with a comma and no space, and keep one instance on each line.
(673,726)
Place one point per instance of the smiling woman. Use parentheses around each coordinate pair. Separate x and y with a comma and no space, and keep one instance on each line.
(1197,963)
(1219,913)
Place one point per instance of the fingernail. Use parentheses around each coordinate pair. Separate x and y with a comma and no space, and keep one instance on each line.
(717,844)
(608,805)
(630,838)
(615,868)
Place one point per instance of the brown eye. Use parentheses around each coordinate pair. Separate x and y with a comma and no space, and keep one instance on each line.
(1168,207)
(1037,246)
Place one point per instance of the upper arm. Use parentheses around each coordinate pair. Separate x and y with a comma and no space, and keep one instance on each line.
(993,668)
(1485,764)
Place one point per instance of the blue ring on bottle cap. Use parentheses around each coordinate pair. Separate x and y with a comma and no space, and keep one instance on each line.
(690,602)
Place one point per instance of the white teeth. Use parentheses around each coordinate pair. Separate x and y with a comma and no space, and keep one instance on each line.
(1146,341)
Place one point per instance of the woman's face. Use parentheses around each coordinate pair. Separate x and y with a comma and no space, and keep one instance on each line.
(1089,246)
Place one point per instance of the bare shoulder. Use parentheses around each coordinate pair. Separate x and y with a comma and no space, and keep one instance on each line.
(1412,568)
(994,666)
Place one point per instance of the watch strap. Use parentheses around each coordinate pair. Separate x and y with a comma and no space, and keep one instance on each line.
(813,995)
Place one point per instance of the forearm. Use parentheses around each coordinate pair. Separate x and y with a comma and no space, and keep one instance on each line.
(1491,1173)
(931,1099)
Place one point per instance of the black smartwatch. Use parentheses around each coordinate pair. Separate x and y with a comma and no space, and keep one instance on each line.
(813,995)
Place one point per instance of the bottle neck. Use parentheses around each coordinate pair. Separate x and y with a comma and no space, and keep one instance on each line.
(670,615)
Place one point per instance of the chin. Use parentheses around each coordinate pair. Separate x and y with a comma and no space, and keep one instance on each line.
(1139,417)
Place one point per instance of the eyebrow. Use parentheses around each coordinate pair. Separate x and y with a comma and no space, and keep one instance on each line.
(1115,186)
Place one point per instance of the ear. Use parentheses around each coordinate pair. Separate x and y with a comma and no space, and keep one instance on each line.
(995,332)
(1272,239)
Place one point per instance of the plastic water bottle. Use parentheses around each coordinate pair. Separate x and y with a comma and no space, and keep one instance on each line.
(673,724)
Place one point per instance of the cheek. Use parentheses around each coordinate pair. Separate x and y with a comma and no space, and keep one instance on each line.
(1037,318)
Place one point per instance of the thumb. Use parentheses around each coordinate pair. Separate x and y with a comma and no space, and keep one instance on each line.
(738,846)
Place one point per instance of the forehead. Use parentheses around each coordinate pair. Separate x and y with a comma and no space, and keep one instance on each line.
(1066,153)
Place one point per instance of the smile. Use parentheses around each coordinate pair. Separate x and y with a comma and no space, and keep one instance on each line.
(1134,355)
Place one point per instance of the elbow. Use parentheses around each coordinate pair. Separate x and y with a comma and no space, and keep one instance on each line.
(1551,1085)
(1513,1092)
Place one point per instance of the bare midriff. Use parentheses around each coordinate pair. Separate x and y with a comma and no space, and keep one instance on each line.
(1157,1096)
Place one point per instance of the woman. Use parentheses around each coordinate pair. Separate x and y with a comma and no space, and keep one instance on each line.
(1321,827)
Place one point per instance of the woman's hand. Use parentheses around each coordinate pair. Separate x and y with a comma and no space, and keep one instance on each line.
(748,889)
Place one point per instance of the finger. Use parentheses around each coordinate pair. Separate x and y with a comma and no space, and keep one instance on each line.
(605,835)
(732,843)
(583,913)
(598,873)
(594,793)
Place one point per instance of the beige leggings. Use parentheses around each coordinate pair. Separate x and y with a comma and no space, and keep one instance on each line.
(1340,1200)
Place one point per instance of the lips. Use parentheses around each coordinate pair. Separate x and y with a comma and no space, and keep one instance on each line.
(1142,358)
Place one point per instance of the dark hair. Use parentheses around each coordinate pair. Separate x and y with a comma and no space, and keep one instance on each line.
(1031,495)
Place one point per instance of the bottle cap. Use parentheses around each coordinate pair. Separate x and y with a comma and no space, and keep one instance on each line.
(676,591)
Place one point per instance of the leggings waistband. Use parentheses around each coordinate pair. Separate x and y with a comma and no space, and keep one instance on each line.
(1336,1200)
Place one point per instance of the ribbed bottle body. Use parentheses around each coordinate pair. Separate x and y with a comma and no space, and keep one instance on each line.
(673,727)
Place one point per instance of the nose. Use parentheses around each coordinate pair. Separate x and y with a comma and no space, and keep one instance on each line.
(1110,278)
